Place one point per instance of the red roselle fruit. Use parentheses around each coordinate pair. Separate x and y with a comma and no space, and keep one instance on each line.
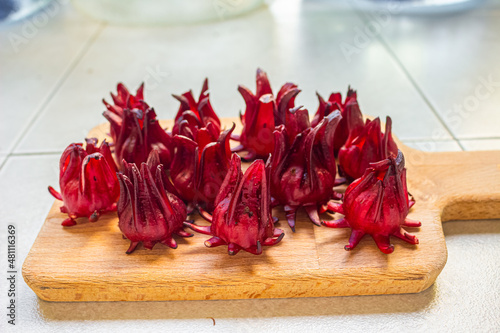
(148,213)
(296,122)
(352,118)
(369,146)
(263,112)
(138,133)
(258,125)
(377,204)
(303,173)
(193,115)
(199,167)
(125,100)
(242,217)
(88,182)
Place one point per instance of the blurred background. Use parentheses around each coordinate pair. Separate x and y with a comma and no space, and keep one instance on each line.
(432,65)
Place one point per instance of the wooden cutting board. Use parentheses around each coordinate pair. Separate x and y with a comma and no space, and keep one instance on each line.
(87,262)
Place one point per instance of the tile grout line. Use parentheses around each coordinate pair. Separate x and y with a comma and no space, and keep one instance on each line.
(38,153)
(481,138)
(415,85)
(426,140)
(87,45)
(419,91)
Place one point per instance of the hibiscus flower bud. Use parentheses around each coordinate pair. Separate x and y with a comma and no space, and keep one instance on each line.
(263,113)
(87,178)
(147,213)
(125,100)
(138,133)
(370,145)
(377,204)
(303,173)
(352,118)
(194,114)
(242,217)
(199,167)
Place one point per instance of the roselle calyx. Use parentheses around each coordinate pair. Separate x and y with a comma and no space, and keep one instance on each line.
(263,113)
(296,122)
(199,167)
(138,133)
(193,115)
(242,217)
(148,213)
(258,125)
(333,103)
(368,146)
(303,173)
(377,204)
(352,118)
(87,178)
(125,100)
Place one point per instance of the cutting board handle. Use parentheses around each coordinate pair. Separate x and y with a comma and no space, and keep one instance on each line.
(463,185)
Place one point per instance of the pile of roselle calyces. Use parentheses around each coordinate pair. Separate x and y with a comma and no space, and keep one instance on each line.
(155,178)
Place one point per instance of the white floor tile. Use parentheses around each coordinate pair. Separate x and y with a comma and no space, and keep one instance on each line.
(482,144)
(24,203)
(303,47)
(434,146)
(25,200)
(35,53)
(452,58)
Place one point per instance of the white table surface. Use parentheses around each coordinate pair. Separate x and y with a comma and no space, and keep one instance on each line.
(418,70)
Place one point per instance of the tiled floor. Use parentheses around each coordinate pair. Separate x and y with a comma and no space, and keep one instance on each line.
(37,57)
(434,146)
(396,73)
(24,195)
(185,55)
(416,70)
(452,61)
(481,144)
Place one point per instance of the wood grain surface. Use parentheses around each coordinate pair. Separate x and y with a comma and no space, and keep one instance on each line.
(87,262)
